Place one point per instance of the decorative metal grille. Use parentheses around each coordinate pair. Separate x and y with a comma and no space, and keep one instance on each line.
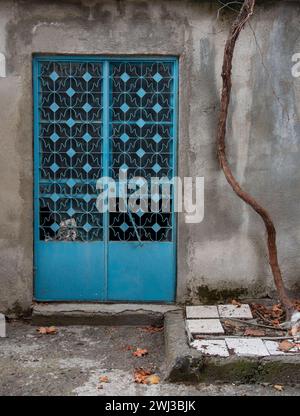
(142,135)
(70,139)
(133,120)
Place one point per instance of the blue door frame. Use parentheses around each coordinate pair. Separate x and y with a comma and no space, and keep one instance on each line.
(82,128)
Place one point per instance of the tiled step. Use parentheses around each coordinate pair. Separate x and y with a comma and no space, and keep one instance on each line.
(220,311)
(219,357)
(204,321)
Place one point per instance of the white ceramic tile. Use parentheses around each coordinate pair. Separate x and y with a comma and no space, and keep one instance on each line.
(247,347)
(205,326)
(232,311)
(211,347)
(188,332)
(202,311)
(273,348)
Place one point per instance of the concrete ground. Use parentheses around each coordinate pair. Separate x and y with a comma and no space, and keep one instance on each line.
(71,362)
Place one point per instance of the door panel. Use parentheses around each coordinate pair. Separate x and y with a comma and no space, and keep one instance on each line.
(141,251)
(70,271)
(141,273)
(69,247)
(94,117)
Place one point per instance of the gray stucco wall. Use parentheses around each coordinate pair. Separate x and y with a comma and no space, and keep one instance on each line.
(227,250)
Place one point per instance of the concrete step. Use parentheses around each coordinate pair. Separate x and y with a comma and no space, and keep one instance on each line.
(58,313)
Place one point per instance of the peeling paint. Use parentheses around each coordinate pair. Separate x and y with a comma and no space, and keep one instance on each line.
(40,24)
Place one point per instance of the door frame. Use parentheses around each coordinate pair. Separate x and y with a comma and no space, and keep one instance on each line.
(105,59)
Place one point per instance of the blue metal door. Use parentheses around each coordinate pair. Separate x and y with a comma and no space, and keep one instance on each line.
(94,117)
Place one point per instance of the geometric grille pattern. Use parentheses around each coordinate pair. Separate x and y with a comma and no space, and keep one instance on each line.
(142,136)
(70,139)
(141,102)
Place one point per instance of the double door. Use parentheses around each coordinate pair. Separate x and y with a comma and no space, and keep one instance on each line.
(97,117)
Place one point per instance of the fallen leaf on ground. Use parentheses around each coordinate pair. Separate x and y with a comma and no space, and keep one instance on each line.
(278,387)
(296,304)
(273,314)
(42,330)
(103,379)
(47,330)
(277,309)
(141,375)
(249,332)
(153,329)
(140,352)
(286,345)
(295,330)
(128,348)
(153,379)
(236,303)
(231,324)
(231,327)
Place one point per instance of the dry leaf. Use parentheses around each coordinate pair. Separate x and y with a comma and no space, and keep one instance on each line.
(141,375)
(295,329)
(128,348)
(272,314)
(249,332)
(47,330)
(236,303)
(277,310)
(278,387)
(297,304)
(51,330)
(153,379)
(103,379)
(153,329)
(231,324)
(286,345)
(140,352)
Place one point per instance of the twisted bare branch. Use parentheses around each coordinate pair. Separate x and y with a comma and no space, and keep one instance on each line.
(244,15)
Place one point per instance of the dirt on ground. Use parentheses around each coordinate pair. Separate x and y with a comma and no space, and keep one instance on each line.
(96,360)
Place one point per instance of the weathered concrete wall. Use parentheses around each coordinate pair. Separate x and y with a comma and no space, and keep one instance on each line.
(226,251)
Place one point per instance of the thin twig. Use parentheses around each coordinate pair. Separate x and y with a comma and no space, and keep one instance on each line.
(227,5)
(220,337)
(287,337)
(252,324)
(268,72)
(262,317)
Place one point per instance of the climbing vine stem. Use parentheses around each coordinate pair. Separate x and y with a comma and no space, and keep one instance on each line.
(244,15)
